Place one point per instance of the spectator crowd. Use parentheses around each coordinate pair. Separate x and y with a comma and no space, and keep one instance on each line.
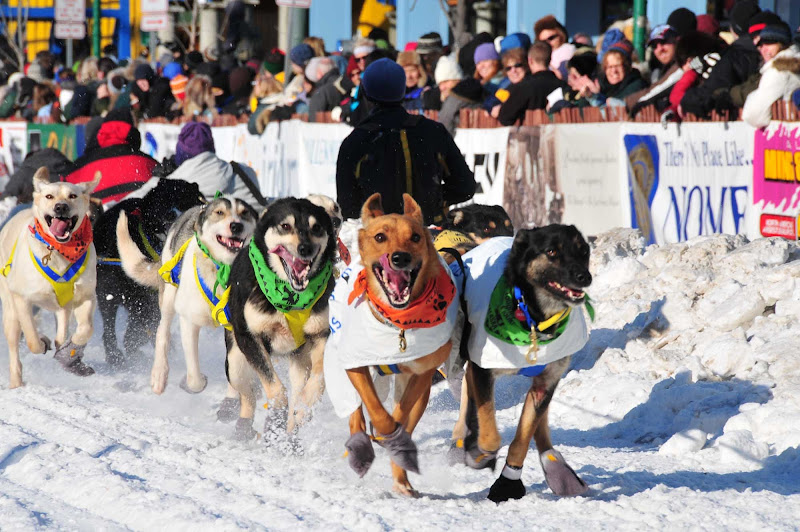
(692,65)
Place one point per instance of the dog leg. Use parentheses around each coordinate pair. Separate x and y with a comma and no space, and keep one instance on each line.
(242,379)
(456,453)
(160,371)
(24,311)
(13,332)
(482,448)
(560,477)
(314,385)
(299,367)
(195,381)
(62,326)
(139,321)
(108,312)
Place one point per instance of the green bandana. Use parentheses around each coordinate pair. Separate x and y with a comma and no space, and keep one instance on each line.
(223,270)
(502,323)
(279,292)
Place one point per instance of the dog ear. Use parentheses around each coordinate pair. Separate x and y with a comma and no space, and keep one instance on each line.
(41,177)
(457,217)
(411,208)
(372,208)
(90,186)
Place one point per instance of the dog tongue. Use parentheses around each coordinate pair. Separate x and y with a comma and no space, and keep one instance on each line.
(298,266)
(397,279)
(59,227)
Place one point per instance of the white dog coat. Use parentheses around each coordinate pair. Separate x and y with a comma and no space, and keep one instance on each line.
(359,339)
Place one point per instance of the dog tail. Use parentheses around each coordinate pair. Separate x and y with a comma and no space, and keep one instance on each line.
(135,264)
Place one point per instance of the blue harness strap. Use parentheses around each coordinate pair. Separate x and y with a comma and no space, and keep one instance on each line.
(532,371)
(107,261)
(56,277)
(387,369)
(209,293)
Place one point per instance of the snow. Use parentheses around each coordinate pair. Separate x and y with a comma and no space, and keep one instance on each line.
(683,411)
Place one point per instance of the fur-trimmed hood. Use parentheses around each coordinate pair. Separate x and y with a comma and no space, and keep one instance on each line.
(787,60)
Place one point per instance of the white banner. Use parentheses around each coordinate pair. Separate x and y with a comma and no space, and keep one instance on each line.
(485,153)
(13,147)
(588,172)
(688,180)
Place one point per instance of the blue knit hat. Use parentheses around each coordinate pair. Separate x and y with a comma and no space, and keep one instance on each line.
(515,40)
(384,81)
(171,70)
(485,52)
(610,38)
(301,54)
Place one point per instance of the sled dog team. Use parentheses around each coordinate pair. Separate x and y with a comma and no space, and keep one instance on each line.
(477,301)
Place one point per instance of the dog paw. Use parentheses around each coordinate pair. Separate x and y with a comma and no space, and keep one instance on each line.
(244,429)
(477,458)
(560,477)
(158,379)
(194,387)
(406,490)
(360,453)
(41,347)
(228,409)
(114,358)
(402,449)
(504,489)
(15,382)
(456,455)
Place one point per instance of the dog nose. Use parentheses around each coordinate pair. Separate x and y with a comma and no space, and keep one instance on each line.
(305,250)
(582,277)
(61,209)
(236,228)
(401,259)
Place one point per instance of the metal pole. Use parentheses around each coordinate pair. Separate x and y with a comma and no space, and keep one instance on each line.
(287,63)
(96,28)
(153,45)
(639,19)
(69,53)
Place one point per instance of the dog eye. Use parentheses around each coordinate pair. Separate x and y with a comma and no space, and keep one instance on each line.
(219,212)
(286,227)
(317,230)
(49,196)
(416,237)
(486,229)
(73,196)
(552,253)
(380,238)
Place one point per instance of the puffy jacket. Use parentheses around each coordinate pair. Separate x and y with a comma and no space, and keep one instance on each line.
(780,77)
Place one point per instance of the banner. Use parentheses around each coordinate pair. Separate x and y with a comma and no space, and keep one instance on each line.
(69,140)
(13,147)
(588,173)
(688,180)
(485,153)
(776,180)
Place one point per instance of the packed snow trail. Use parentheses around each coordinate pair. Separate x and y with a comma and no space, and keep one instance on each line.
(683,411)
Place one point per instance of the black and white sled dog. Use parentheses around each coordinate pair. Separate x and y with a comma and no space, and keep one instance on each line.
(149,219)
(279,306)
(525,298)
(192,276)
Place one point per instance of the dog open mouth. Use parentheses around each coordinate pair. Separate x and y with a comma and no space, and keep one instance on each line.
(570,294)
(231,243)
(296,269)
(396,284)
(61,228)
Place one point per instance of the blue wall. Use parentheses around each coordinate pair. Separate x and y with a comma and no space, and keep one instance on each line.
(331,21)
(426,17)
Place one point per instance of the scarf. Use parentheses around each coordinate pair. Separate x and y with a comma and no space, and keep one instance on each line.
(428,310)
(502,323)
(72,250)
(280,293)
(223,270)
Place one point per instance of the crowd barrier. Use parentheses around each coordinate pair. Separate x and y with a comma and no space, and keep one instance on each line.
(673,181)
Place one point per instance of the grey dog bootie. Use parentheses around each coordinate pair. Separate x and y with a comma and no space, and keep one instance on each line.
(559,476)
(70,356)
(401,448)
(360,453)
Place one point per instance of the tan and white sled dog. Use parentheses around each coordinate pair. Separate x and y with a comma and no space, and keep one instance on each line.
(49,262)
(192,277)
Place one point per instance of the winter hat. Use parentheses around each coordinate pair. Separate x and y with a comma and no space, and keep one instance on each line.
(759,21)
(610,38)
(447,69)
(410,46)
(317,68)
(193,60)
(776,33)
(548,22)
(301,54)
(352,66)
(363,47)
(116,82)
(384,81)
(585,62)
(486,52)
(144,71)
(429,43)
(741,13)
(707,24)
(625,47)
(195,138)
(178,86)
(515,40)
(117,128)
(662,32)
(273,61)
(683,20)
(405,59)
(171,70)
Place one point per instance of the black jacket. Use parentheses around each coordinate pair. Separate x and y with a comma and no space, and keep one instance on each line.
(373,158)
(738,63)
(331,89)
(21,183)
(530,93)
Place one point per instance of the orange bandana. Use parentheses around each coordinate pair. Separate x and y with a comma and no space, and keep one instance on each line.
(428,310)
(73,249)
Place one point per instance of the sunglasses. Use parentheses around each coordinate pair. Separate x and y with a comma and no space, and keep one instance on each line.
(511,67)
(553,36)
(362,58)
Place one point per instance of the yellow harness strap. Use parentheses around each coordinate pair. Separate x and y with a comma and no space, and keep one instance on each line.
(218,313)
(546,324)
(147,246)
(64,290)
(7,268)
(296,319)
(165,271)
